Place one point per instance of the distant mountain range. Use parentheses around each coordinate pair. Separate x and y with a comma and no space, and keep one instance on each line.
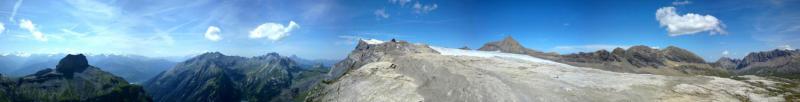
(637,59)
(134,68)
(779,62)
(668,61)
(72,80)
(221,78)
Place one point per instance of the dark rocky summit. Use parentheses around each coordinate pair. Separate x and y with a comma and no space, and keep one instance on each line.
(71,64)
(73,80)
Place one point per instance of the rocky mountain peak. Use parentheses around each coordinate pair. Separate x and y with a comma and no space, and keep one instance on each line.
(767,55)
(681,55)
(508,45)
(510,40)
(618,51)
(211,54)
(72,63)
(640,48)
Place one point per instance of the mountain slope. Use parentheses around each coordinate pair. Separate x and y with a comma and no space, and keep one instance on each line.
(221,78)
(74,80)
(400,71)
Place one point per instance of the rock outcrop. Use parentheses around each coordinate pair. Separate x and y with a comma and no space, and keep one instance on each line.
(71,64)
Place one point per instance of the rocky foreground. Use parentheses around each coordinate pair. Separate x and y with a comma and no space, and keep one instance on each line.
(400,71)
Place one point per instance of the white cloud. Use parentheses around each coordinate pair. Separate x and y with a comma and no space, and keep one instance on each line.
(401,2)
(785,47)
(28,25)
(94,7)
(381,13)
(725,53)
(273,31)
(587,48)
(422,8)
(14,10)
(678,3)
(2,28)
(212,33)
(687,24)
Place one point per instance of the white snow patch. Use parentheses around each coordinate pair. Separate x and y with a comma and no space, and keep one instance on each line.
(373,41)
(579,76)
(460,52)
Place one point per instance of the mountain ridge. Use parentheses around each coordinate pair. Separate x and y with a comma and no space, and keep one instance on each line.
(636,59)
(214,76)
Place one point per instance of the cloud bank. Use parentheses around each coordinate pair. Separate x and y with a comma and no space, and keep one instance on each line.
(273,31)
(687,24)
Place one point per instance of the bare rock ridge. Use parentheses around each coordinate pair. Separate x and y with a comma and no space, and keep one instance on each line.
(399,71)
(366,52)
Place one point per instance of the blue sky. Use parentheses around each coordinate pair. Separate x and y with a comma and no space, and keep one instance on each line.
(329,29)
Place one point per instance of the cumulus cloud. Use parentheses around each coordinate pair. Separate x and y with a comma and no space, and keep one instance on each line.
(273,31)
(28,25)
(381,13)
(401,2)
(212,33)
(678,3)
(687,24)
(423,8)
(2,28)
